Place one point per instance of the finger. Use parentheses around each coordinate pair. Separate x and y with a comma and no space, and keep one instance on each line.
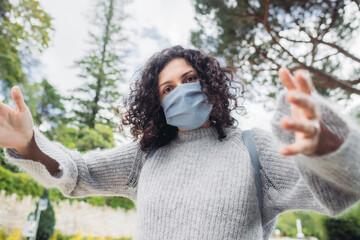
(304,146)
(303,80)
(305,126)
(304,101)
(286,78)
(18,98)
(4,109)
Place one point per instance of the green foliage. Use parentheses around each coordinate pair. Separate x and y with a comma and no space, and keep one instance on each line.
(96,201)
(258,37)
(47,219)
(25,27)
(64,134)
(346,226)
(341,229)
(5,164)
(125,203)
(56,196)
(3,234)
(49,107)
(61,236)
(100,137)
(83,139)
(19,183)
(101,68)
(312,223)
(44,102)
(11,71)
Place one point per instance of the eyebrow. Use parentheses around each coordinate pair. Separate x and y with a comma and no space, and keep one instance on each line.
(183,75)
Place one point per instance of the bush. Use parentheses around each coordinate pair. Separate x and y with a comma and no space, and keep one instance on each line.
(20,183)
(6,165)
(342,229)
(346,226)
(80,237)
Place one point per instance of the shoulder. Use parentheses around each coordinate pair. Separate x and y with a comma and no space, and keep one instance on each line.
(260,134)
(235,135)
(257,133)
(264,140)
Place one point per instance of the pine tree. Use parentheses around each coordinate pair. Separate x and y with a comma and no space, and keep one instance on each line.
(101,68)
(47,219)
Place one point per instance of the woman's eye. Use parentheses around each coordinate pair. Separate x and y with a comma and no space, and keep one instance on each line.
(191,78)
(167,90)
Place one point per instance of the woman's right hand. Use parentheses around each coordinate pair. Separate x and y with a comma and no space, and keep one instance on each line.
(16,126)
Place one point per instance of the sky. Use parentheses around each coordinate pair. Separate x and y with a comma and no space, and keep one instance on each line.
(151,26)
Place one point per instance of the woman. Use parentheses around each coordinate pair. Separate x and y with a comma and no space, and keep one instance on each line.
(198,182)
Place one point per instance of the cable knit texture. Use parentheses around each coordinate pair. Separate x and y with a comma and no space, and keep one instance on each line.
(198,187)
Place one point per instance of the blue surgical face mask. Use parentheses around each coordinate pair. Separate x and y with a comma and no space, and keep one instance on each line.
(185,106)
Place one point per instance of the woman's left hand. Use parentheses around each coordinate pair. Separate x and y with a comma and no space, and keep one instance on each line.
(305,118)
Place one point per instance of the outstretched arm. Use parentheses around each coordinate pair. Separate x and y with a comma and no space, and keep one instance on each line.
(328,184)
(317,173)
(110,172)
(106,172)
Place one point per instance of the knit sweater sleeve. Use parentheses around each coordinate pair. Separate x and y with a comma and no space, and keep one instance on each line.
(110,172)
(328,184)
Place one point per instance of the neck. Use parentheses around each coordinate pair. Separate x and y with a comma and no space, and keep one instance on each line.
(206,124)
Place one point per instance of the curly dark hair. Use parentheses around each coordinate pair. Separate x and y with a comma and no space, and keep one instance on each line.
(145,114)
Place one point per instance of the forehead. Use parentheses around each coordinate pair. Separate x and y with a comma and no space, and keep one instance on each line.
(174,69)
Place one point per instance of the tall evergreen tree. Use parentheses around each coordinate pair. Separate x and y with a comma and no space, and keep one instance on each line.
(47,219)
(101,68)
(258,37)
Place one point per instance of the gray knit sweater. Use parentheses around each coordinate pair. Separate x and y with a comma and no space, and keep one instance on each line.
(198,187)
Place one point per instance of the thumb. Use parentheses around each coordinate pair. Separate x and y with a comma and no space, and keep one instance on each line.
(18,98)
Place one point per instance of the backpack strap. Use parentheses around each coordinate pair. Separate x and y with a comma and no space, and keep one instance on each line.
(151,153)
(249,142)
